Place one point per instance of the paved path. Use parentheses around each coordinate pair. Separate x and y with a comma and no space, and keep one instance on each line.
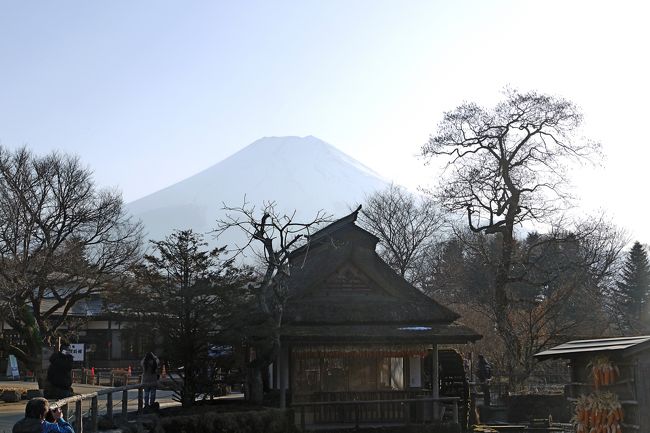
(12,412)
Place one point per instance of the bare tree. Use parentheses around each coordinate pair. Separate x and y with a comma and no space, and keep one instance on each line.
(557,289)
(271,236)
(404,224)
(62,240)
(507,166)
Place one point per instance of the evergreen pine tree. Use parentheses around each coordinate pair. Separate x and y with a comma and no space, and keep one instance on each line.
(633,289)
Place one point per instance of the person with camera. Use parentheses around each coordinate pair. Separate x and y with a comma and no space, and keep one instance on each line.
(39,418)
(150,378)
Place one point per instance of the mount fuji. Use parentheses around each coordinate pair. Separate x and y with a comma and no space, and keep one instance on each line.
(301,174)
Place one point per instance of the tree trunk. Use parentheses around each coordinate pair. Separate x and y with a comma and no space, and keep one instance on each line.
(502,302)
(255,385)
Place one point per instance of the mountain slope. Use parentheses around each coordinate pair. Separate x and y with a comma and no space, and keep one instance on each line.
(298,173)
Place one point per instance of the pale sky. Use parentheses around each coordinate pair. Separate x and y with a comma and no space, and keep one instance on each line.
(148,93)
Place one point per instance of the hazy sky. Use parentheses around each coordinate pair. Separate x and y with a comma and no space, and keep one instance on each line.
(151,92)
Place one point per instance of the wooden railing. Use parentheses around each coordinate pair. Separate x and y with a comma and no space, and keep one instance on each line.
(394,410)
(94,406)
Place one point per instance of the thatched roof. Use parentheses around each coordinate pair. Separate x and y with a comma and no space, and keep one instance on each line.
(340,286)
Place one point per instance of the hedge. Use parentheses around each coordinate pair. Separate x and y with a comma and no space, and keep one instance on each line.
(411,428)
(522,408)
(265,421)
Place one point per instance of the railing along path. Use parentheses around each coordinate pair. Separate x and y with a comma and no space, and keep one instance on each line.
(405,404)
(94,405)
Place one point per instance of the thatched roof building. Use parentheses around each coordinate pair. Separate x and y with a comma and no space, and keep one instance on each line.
(352,325)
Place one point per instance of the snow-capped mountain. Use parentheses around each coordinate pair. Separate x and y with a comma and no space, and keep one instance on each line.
(304,174)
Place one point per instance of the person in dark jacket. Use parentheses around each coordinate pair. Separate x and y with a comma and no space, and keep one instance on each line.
(149,378)
(59,375)
(36,412)
(484,374)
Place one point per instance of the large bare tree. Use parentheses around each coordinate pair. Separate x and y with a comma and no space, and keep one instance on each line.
(271,236)
(405,225)
(62,240)
(506,166)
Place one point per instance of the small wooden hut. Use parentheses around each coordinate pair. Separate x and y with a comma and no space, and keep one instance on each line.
(608,369)
(353,329)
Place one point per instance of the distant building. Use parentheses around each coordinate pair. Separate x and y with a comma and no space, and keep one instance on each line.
(109,340)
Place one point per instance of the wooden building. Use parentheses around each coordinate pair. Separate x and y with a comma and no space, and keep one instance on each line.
(355,330)
(628,385)
(110,340)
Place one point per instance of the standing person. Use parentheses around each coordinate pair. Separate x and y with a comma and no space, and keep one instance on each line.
(484,374)
(36,412)
(59,375)
(149,378)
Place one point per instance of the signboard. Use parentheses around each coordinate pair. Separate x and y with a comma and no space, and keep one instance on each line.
(12,367)
(77,351)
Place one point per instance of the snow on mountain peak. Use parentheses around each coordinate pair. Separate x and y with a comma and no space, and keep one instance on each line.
(304,174)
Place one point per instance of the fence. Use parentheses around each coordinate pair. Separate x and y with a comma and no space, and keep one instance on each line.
(105,377)
(398,410)
(94,406)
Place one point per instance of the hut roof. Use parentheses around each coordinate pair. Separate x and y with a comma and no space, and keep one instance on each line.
(625,345)
(340,286)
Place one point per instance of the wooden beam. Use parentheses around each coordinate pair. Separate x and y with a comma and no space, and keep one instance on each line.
(435,389)
(282,367)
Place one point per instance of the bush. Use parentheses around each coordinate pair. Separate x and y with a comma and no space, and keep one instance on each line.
(11,395)
(263,421)
(32,393)
(522,408)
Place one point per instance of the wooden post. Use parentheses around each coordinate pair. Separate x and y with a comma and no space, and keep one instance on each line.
(125,405)
(407,412)
(356,415)
(109,407)
(78,416)
(283,388)
(302,418)
(283,369)
(455,411)
(435,382)
(93,414)
(140,399)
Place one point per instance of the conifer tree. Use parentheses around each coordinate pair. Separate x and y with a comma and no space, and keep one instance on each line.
(633,289)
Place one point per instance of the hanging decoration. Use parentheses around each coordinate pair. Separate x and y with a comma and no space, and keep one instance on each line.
(603,371)
(598,412)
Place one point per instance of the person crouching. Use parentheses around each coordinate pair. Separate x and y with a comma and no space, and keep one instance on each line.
(39,418)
